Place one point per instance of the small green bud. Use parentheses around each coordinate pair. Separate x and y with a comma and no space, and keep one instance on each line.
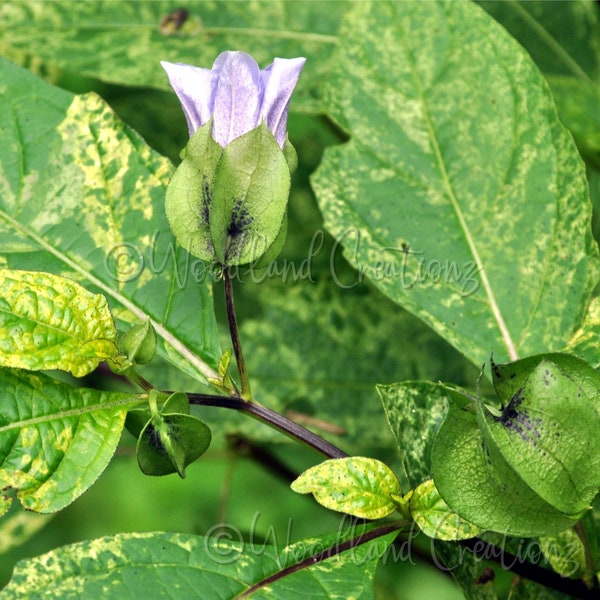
(139,343)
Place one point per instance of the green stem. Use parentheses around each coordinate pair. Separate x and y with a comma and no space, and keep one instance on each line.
(139,380)
(271,418)
(235,336)
(589,575)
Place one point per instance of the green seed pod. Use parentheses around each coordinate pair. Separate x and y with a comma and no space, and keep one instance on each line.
(533,466)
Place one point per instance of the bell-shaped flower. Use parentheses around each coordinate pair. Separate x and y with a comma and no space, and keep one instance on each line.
(227,200)
(237,94)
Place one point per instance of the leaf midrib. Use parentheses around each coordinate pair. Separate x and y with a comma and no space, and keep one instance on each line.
(493,303)
(124,403)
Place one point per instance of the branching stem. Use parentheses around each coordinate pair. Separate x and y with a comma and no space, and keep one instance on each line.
(271,418)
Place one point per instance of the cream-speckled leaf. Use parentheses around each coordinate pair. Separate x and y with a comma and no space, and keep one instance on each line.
(82,195)
(174,566)
(565,552)
(121,42)
(19,526)
(55,439)
(435,518)
(460,194)
(359,486)
(585,344)
(563,38)
(414,410)
(50,322)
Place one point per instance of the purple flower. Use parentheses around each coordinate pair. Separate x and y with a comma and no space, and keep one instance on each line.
(236,93)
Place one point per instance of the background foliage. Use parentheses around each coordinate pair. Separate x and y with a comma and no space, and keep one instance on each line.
(319,334)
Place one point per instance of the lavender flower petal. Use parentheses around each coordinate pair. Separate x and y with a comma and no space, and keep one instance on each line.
(279,81)
(195,89)
(238,96)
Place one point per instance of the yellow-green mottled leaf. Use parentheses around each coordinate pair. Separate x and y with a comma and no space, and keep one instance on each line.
(122,42)
(19,526)
(50,322)
(459,189)
(5,504)
(563,38)
(177,566)
(414,410)
(565,552)
(82,195)
(435,518)
(357,485)
(586,342)
(55,440)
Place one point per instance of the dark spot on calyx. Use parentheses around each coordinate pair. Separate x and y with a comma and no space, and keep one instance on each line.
(155,441)
(204,212)
(495,369)
(206,200)
(240,222)
(548,378)
(517,420)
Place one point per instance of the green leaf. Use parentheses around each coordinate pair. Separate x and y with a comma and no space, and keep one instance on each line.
(414,410)
(459,179)
(122,43)
(565,552)
(584,343)
(435,518)
(174,565)
(50,322)
(55,440)
(475,578)
(83,197)
(563,38)
(19,526)
(358,486)
(578,103)
(532,467)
